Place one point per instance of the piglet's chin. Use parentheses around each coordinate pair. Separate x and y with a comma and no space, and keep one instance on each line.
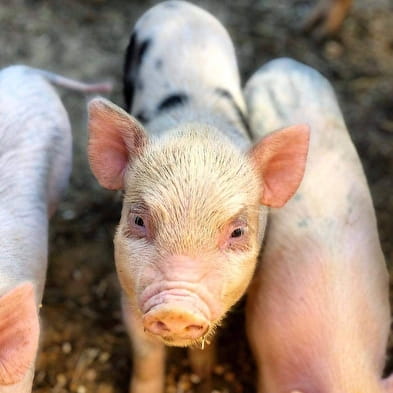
(200,343)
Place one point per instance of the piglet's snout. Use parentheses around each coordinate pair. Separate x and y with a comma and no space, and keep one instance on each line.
(176,317)
(176,322)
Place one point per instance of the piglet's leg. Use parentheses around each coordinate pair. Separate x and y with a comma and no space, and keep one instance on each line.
(148,355)
(202,362)
(19,333)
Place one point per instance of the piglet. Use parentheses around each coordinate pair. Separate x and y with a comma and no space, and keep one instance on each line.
(35,163)
(317,311)
(192,220)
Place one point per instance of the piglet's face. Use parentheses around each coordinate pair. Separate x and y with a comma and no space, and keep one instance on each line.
(189,234)
(191,223)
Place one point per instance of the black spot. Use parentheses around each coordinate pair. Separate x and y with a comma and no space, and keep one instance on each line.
(228,95)
(142,117)
(172,101)
(142,49)
(134,56)
(158,64)
(128,74)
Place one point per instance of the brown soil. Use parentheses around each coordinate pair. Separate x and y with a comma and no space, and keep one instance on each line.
(84,346)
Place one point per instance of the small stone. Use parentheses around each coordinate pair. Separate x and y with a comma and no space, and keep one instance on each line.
(195,379)
(91,374)
(66,348)
(76,274)
(219,369)
(92,353)
(61,380)
(333,50)
(184,384)
(104,357)
(68,214)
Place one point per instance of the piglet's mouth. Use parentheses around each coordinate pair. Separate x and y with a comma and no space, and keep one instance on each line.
(177,317)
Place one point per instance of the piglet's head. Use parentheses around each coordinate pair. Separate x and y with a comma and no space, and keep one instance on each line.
(193,216)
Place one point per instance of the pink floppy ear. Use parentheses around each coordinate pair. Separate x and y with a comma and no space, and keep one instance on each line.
(115,138)
(19,333)
(280,160)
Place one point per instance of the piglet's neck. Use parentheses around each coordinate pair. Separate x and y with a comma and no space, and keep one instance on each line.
(225,116)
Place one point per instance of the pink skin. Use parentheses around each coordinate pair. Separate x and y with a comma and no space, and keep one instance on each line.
(182,287)
(19,331)
(35,163)
(176,282)
(318,314)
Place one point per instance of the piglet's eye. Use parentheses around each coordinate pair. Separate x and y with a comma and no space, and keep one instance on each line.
(139,226)
(139,221)
(237,232)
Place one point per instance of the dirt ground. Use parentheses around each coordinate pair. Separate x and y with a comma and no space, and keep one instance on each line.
(84,346)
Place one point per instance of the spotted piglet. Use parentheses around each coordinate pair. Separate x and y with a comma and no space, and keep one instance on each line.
(195,192)
(318,313)
(35,163)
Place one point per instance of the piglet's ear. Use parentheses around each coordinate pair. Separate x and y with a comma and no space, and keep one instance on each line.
(115,138)
(280,159)
(19,333)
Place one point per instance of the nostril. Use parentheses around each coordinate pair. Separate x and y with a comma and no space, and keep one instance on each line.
(161,326)
(194,328)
